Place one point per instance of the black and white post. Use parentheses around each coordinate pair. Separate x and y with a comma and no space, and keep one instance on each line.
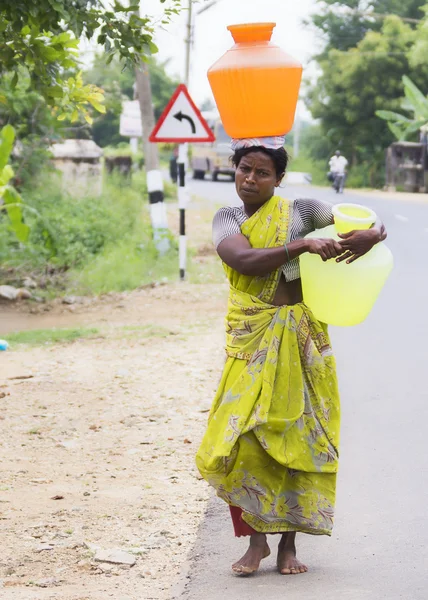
(158,215)
(183,198)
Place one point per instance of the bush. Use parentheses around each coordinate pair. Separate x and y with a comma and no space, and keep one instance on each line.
(366,175)
(102,242)
(80,227)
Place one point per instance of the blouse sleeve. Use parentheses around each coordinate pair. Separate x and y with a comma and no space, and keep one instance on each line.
(315,214)
(224,225)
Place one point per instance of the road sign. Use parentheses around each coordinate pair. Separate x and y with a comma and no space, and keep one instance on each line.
(181,121)
(130,119)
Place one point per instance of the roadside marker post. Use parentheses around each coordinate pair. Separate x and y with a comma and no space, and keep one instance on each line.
(183,199)
(182,122)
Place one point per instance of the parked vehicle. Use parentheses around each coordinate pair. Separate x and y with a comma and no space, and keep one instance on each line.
(213,158)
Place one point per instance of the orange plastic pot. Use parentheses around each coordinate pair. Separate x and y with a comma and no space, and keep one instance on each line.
(255,84)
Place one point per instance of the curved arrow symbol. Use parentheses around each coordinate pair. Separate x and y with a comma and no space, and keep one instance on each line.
(179,116)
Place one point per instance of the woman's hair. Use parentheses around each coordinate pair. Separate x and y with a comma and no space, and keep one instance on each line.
(279,157)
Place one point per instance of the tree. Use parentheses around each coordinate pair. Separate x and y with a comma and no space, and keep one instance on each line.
(343,24)
(34,125)
(43,37)
(118,84)
(357,82)
(419,52)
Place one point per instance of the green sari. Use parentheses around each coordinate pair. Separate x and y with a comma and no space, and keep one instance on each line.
(270,447)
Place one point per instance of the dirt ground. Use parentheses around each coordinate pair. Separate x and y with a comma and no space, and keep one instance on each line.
(98,443)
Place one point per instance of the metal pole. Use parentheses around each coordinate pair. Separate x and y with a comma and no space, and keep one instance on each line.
(183,197)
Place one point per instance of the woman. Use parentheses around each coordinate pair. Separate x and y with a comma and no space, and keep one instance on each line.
(271,445)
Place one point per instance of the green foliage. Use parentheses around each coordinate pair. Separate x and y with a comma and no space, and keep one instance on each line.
(404,127)
(98,243)
(357,83)
(34,124)
(343,24)
(118,86)
(43,37)
(81,227)
(125,265)
(369,46)
(11,200)
(419,52)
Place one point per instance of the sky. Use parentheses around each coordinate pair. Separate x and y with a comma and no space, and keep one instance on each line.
(212,39)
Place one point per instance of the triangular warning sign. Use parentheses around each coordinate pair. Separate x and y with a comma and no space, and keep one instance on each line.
(181,121)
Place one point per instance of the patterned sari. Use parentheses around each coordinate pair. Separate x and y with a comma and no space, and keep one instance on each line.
(270,447)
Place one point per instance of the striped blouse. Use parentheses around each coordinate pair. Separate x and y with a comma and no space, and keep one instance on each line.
(307,215)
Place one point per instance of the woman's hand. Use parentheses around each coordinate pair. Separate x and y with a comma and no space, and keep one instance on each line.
(357,243)
(326,248)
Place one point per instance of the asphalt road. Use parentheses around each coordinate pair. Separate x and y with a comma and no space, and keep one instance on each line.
(379,547)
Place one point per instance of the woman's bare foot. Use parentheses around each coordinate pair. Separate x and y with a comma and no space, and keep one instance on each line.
(287,562)
(257,550)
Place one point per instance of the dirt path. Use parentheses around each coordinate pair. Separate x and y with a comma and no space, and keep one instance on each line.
(109,427)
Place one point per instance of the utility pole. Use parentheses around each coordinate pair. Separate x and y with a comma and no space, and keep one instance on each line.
(189,40)
(151,158)
(189,33)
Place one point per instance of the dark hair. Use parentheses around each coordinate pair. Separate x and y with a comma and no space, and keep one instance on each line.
(279,157)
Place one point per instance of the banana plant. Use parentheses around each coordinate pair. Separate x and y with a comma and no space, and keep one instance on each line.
(9,197)
(414,102)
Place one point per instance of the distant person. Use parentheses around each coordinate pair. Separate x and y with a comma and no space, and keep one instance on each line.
(338,164)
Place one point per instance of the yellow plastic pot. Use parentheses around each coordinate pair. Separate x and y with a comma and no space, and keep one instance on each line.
(338,293)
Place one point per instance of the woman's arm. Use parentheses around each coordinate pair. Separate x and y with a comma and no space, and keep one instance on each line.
(237,253)
(357,243)
(317,214)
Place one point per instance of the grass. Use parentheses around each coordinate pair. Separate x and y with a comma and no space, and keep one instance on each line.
(37,337)
(123,266)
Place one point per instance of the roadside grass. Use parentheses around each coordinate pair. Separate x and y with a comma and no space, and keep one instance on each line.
(126,265)
(38,337)
(134,260)
(46,337)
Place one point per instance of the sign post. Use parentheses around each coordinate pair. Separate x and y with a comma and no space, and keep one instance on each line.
(182,122)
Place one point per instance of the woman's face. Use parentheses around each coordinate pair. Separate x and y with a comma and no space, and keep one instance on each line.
(256,178)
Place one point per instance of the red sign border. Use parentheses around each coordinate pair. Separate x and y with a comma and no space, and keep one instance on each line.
(181,89)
